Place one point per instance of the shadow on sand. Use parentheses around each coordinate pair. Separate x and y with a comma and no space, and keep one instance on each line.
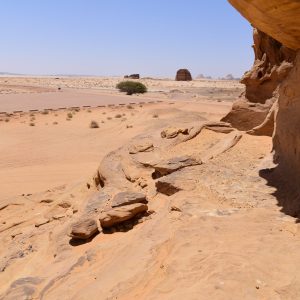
(287,193)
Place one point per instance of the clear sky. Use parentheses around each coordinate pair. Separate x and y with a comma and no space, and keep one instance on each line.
(116,37)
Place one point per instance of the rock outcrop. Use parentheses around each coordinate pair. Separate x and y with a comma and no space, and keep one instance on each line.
(172,132)
(84,229)
(275,81)
(127,198)
(183,75)
(272,64)
(277,18)
(120,214)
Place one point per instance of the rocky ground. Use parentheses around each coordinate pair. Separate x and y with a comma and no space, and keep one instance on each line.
(179,206)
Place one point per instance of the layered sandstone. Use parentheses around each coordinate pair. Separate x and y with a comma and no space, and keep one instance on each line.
(280,20)
(277,18)
(272,64)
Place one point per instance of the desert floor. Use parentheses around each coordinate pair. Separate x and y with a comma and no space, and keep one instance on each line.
(216,232)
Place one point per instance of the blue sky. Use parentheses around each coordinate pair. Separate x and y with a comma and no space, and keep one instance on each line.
(116,37)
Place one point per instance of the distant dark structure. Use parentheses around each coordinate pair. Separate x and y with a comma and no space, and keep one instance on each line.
(132,76)
(183,75)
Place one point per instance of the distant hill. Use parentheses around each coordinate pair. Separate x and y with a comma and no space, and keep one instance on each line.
(8,73)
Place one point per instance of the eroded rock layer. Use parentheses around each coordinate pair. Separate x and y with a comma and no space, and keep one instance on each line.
(277,68)
(278,18)
(272,64)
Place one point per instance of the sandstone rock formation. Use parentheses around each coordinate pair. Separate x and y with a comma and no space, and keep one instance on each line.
(120,214)
(275,78)
(127,198)
(84,229)
(273,61)
(183,75)
(141,147)
(277,18)
(169,166)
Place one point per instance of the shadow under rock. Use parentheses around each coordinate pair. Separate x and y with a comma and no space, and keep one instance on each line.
(78,242)
(287,193)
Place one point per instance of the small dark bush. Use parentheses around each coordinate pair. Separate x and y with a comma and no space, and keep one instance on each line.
(132,87)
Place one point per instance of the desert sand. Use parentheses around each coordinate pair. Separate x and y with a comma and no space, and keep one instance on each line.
(213,228)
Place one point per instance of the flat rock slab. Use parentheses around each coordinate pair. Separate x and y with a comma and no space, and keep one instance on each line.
(145,146)
(169,166)
(84,229)
(127,198)
(120,214)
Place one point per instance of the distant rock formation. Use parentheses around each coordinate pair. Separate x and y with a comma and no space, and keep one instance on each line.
(229,77)
(183,75)
(202,76)
(132,76)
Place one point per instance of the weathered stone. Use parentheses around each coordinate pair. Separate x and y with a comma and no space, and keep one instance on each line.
(168,166)
(141,147)
(277,18)
(172,132)
(273,62)
(84,229)
(127,198)
(120,214)
(96,202)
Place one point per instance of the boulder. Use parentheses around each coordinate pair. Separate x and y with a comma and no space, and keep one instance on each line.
(172,132)
(183,75)
(84,229)
(120,214)
(127,198)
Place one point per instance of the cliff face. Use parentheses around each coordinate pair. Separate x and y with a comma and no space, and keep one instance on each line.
(275,78)
(272,64)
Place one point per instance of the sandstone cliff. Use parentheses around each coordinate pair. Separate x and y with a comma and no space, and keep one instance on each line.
(281,67)
(272,64)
